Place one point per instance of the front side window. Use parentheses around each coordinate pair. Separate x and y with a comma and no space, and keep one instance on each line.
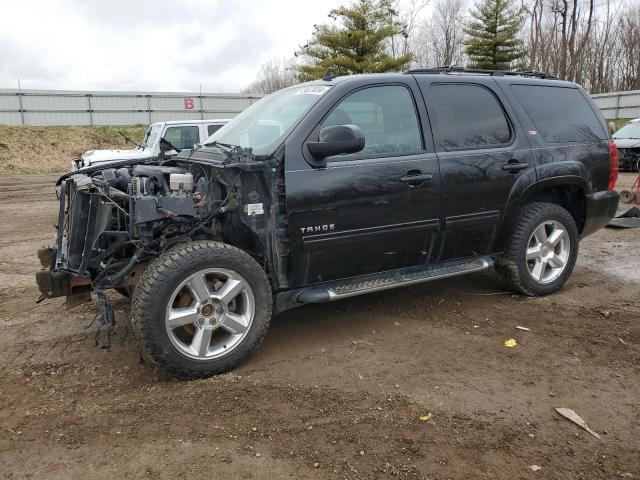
(182,137)
(560,114)
(386,115)
(468,117)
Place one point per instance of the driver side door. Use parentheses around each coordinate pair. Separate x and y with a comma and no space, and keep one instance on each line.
(374,210)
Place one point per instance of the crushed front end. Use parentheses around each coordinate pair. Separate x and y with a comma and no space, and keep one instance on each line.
(113,221)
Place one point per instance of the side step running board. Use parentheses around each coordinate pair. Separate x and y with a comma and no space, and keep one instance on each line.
(391,279)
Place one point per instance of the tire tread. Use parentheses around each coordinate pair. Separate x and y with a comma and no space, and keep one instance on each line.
(164,269)
(510,265)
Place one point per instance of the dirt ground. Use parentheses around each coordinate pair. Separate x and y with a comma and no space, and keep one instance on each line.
(336,390)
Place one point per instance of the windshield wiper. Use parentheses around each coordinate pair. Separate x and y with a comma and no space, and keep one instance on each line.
(138,145)
(233,153)
(225,147)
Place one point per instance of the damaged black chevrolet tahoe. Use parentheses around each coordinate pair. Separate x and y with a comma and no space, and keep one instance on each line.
(331,189)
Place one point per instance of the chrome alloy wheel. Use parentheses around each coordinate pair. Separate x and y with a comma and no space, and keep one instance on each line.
(548,251)
(210,313)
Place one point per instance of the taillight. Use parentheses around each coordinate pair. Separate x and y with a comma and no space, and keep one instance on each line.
(613,158)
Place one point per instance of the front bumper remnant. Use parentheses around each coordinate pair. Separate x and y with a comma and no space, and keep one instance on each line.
(59,283)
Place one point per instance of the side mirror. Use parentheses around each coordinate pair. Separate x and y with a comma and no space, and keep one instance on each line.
(336,140)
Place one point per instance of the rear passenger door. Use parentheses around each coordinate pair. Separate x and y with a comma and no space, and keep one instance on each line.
(570,137)
(482,151)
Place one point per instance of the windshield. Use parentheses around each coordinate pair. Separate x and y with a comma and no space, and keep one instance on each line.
(150,136)
(630,130)
(265,122)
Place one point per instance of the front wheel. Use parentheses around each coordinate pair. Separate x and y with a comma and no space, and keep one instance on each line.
(542,250)
(200,309)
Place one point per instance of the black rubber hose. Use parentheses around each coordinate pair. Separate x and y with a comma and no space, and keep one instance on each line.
(114,280)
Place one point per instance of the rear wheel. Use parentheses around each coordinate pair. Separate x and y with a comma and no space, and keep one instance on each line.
(201,309)
(542,251)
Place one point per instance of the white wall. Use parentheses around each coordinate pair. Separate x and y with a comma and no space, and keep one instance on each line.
(618,104)
(58,107)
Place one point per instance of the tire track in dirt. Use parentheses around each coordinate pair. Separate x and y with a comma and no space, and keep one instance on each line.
(359,372)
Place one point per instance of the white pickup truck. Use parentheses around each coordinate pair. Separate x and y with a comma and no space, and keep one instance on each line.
(182,134)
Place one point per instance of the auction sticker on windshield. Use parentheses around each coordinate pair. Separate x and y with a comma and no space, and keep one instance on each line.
(312,90)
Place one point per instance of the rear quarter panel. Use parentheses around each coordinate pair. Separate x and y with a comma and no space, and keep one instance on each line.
(586,163)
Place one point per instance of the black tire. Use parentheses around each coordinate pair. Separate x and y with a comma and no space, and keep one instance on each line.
(163,277)
(513,265)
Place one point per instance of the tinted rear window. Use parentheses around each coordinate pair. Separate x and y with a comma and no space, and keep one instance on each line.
(560,114)
(211,129)
(468,117)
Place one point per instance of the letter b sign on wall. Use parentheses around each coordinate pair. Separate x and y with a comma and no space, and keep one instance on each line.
(189,104)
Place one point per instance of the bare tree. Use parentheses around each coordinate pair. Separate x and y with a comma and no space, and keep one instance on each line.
(601,52)
(438,39)
(629,56)
(447,36)
(410,12)
(536,43)
(274,74)
(593,43)
(596,44)
(411,19)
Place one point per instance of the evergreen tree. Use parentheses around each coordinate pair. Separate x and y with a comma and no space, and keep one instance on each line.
(356,42)
(492,41)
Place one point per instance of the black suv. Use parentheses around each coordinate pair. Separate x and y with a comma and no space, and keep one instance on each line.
(331,189)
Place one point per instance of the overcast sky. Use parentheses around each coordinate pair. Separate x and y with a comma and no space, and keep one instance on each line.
(145,44)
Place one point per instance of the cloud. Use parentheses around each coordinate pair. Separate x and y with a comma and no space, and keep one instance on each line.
(145,44)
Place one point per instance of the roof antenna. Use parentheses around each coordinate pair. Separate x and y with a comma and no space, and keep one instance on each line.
(328,75)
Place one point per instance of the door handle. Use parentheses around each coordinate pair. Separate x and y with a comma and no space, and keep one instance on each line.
(417,178)
(514,166)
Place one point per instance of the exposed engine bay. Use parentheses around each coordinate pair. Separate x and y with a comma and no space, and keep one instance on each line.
(113,221)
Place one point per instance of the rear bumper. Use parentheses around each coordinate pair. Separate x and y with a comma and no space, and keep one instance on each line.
(600,208)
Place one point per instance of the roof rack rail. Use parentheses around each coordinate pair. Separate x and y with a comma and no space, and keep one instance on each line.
(495,73)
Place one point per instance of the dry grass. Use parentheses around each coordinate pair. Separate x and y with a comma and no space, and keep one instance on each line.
(50,149)
(620,122)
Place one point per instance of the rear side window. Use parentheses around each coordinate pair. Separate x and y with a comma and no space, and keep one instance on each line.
(560,114)
(468,117)
(182,137)
(386,115)
(211,129)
